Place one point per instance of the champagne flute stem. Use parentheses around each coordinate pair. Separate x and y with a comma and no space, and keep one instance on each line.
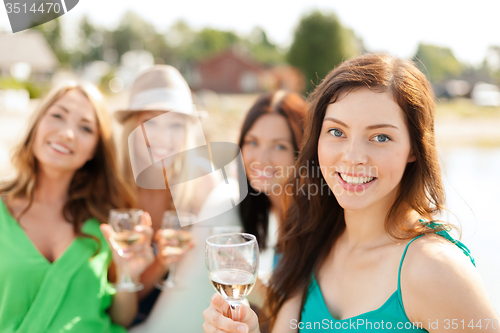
(126,280)
(235,310)
(171,276)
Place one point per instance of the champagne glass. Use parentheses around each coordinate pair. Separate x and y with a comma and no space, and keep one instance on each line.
(232,262)
(123,222)
(178,237)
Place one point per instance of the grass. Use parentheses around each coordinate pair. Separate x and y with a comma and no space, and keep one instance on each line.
(464,108)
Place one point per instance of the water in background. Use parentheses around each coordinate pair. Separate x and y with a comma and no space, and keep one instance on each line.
(472,183)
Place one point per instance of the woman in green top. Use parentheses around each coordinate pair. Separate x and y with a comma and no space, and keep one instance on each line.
(367,185)
(55,260)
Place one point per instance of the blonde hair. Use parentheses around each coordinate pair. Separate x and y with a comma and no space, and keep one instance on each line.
(180,168)
(95,188)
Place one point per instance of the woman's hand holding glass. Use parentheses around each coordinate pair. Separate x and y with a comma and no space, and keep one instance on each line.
(164,256)
(173,241)
(218,318)
(232,262)
(129,235)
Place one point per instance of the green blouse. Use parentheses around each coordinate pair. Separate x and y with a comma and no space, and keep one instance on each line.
(70,294)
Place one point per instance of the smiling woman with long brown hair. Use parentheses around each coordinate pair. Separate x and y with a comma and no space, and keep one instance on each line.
(366,251)
(270,139)
(55,259)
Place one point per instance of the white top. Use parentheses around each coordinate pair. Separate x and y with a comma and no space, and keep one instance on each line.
(266,257)
(180,310)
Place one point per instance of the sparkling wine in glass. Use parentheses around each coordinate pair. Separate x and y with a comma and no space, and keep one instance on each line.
(177,238)
(123,222)
(125,239)
(232,262)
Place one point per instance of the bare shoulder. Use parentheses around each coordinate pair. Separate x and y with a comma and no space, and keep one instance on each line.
(288,316)
(15,206)
(433,265)
(431,256)
(439,281)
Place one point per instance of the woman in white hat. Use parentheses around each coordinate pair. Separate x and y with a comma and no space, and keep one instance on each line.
(161,116)
(160,128)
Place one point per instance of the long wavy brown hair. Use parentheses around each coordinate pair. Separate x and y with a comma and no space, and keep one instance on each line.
(312,224)
(254,209)
(95,188)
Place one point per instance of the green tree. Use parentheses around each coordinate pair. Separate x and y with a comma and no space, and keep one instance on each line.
(189,46)
(178,38)
(320,43)
(132,33)
(52,33)
(437,62)
(210,41)
(491,62)
(91,44)
(262,49)
(135,33)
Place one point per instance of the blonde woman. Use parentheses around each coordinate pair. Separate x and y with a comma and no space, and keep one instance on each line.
(161,116)
(163,159)
(55,259)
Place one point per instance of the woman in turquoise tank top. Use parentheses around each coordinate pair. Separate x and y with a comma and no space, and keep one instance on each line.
(362,249)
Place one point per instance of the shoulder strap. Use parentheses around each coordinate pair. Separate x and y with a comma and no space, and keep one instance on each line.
(402,258)
(444,233)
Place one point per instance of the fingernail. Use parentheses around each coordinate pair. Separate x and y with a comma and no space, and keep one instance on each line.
(213,297)
(242,329)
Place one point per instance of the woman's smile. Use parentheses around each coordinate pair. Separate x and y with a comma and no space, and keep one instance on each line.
(60,148)
(355,183)
(160,153)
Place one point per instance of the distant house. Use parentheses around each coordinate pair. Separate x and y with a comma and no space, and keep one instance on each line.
(233,71)
(230,72)
(27,48)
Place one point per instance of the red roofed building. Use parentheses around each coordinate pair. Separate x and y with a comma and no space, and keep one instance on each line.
(230,72)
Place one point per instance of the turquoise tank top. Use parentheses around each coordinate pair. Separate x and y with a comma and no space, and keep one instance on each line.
(391,316)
